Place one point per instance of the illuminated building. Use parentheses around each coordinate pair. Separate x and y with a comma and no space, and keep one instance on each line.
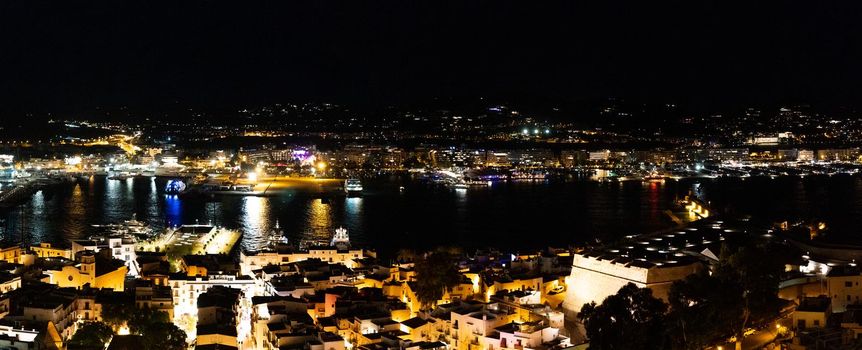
(120,248)
(7,166)
(599,156)
(46,250)
(11,253)
(506,282)
(47,304)
(252,260)
(472,323)
(99,270)
(527,335)
(274,318)
(186,289)
(203,265)
(154,297)
(812,313)
(596,276)
(153,266)
(650,261)
(843,287)
(218,316)
(9,282)
(12,338)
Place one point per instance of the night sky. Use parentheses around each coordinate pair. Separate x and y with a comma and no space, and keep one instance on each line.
(72,55)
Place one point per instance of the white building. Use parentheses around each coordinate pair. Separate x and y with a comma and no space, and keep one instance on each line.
(122,248)
(602,155)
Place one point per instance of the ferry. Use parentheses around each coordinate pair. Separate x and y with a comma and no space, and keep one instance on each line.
(353,187)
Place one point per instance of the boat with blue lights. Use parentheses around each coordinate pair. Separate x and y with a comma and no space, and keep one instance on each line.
(175,186)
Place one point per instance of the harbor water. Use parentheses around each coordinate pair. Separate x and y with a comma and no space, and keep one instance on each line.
(397,212)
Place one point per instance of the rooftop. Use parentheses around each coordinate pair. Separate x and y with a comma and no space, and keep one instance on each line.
(672,248)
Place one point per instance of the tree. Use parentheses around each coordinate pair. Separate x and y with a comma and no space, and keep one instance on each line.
(406,255)
(142,318)
(435,273)
(163,336)
(117,315)
(704,309)
(631,319)
(742,290)
(757,273)
(92,335)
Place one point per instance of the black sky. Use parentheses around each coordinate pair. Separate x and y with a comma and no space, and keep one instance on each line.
(72,55)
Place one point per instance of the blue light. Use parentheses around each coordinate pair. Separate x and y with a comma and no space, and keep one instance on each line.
(175,187)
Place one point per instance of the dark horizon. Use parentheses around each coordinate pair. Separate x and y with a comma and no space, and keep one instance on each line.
(74,56)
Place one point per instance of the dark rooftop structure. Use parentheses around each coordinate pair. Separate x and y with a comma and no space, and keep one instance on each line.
(814,304)
(219,296)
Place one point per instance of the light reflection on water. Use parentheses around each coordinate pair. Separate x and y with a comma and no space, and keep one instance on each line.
(506,215)
(255,222)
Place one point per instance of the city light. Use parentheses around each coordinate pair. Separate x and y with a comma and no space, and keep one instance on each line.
(259,208)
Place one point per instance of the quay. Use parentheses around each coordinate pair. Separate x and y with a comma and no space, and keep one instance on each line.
(266,186)
(192,239)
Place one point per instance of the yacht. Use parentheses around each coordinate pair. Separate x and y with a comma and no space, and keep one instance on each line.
(120,176)
(128,227)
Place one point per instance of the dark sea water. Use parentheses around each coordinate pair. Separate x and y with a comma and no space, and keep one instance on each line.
(505,215)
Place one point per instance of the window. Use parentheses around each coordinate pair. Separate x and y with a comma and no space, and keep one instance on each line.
(848,284)
(816,322)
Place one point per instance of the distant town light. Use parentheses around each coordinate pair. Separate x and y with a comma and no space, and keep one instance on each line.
(76,160)
(252,176)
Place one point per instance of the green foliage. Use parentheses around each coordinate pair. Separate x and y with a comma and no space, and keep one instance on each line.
(143,318)
(157,330)
(92,335)
(703,308)
(630,319)
(758,272)
(163,336)
(742,290)
(435,273)
(118,314)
